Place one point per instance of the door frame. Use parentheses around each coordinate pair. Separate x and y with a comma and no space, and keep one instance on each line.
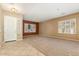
(16,28)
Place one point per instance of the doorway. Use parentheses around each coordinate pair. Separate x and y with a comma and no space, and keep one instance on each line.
(10,28)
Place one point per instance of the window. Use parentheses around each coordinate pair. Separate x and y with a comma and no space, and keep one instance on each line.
(67,26)
(29,27)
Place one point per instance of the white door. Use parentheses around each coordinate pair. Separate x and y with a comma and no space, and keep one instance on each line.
(10,28)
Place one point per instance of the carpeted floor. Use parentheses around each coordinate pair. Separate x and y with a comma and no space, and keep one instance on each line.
(19,48)
(40,46)
(54,47)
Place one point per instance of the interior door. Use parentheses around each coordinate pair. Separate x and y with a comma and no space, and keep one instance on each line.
(10,28)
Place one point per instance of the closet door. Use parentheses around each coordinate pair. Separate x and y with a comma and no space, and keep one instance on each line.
(10,28)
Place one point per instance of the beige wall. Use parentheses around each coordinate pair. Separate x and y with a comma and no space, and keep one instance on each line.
(50,28)
(19,28)
(1,26)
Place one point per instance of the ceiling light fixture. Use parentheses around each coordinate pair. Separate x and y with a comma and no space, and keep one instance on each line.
(13,10)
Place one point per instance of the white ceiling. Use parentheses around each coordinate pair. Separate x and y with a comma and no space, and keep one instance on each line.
(44,11)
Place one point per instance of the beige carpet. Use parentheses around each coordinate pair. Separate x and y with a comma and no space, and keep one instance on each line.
(20,48)
(54,47)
